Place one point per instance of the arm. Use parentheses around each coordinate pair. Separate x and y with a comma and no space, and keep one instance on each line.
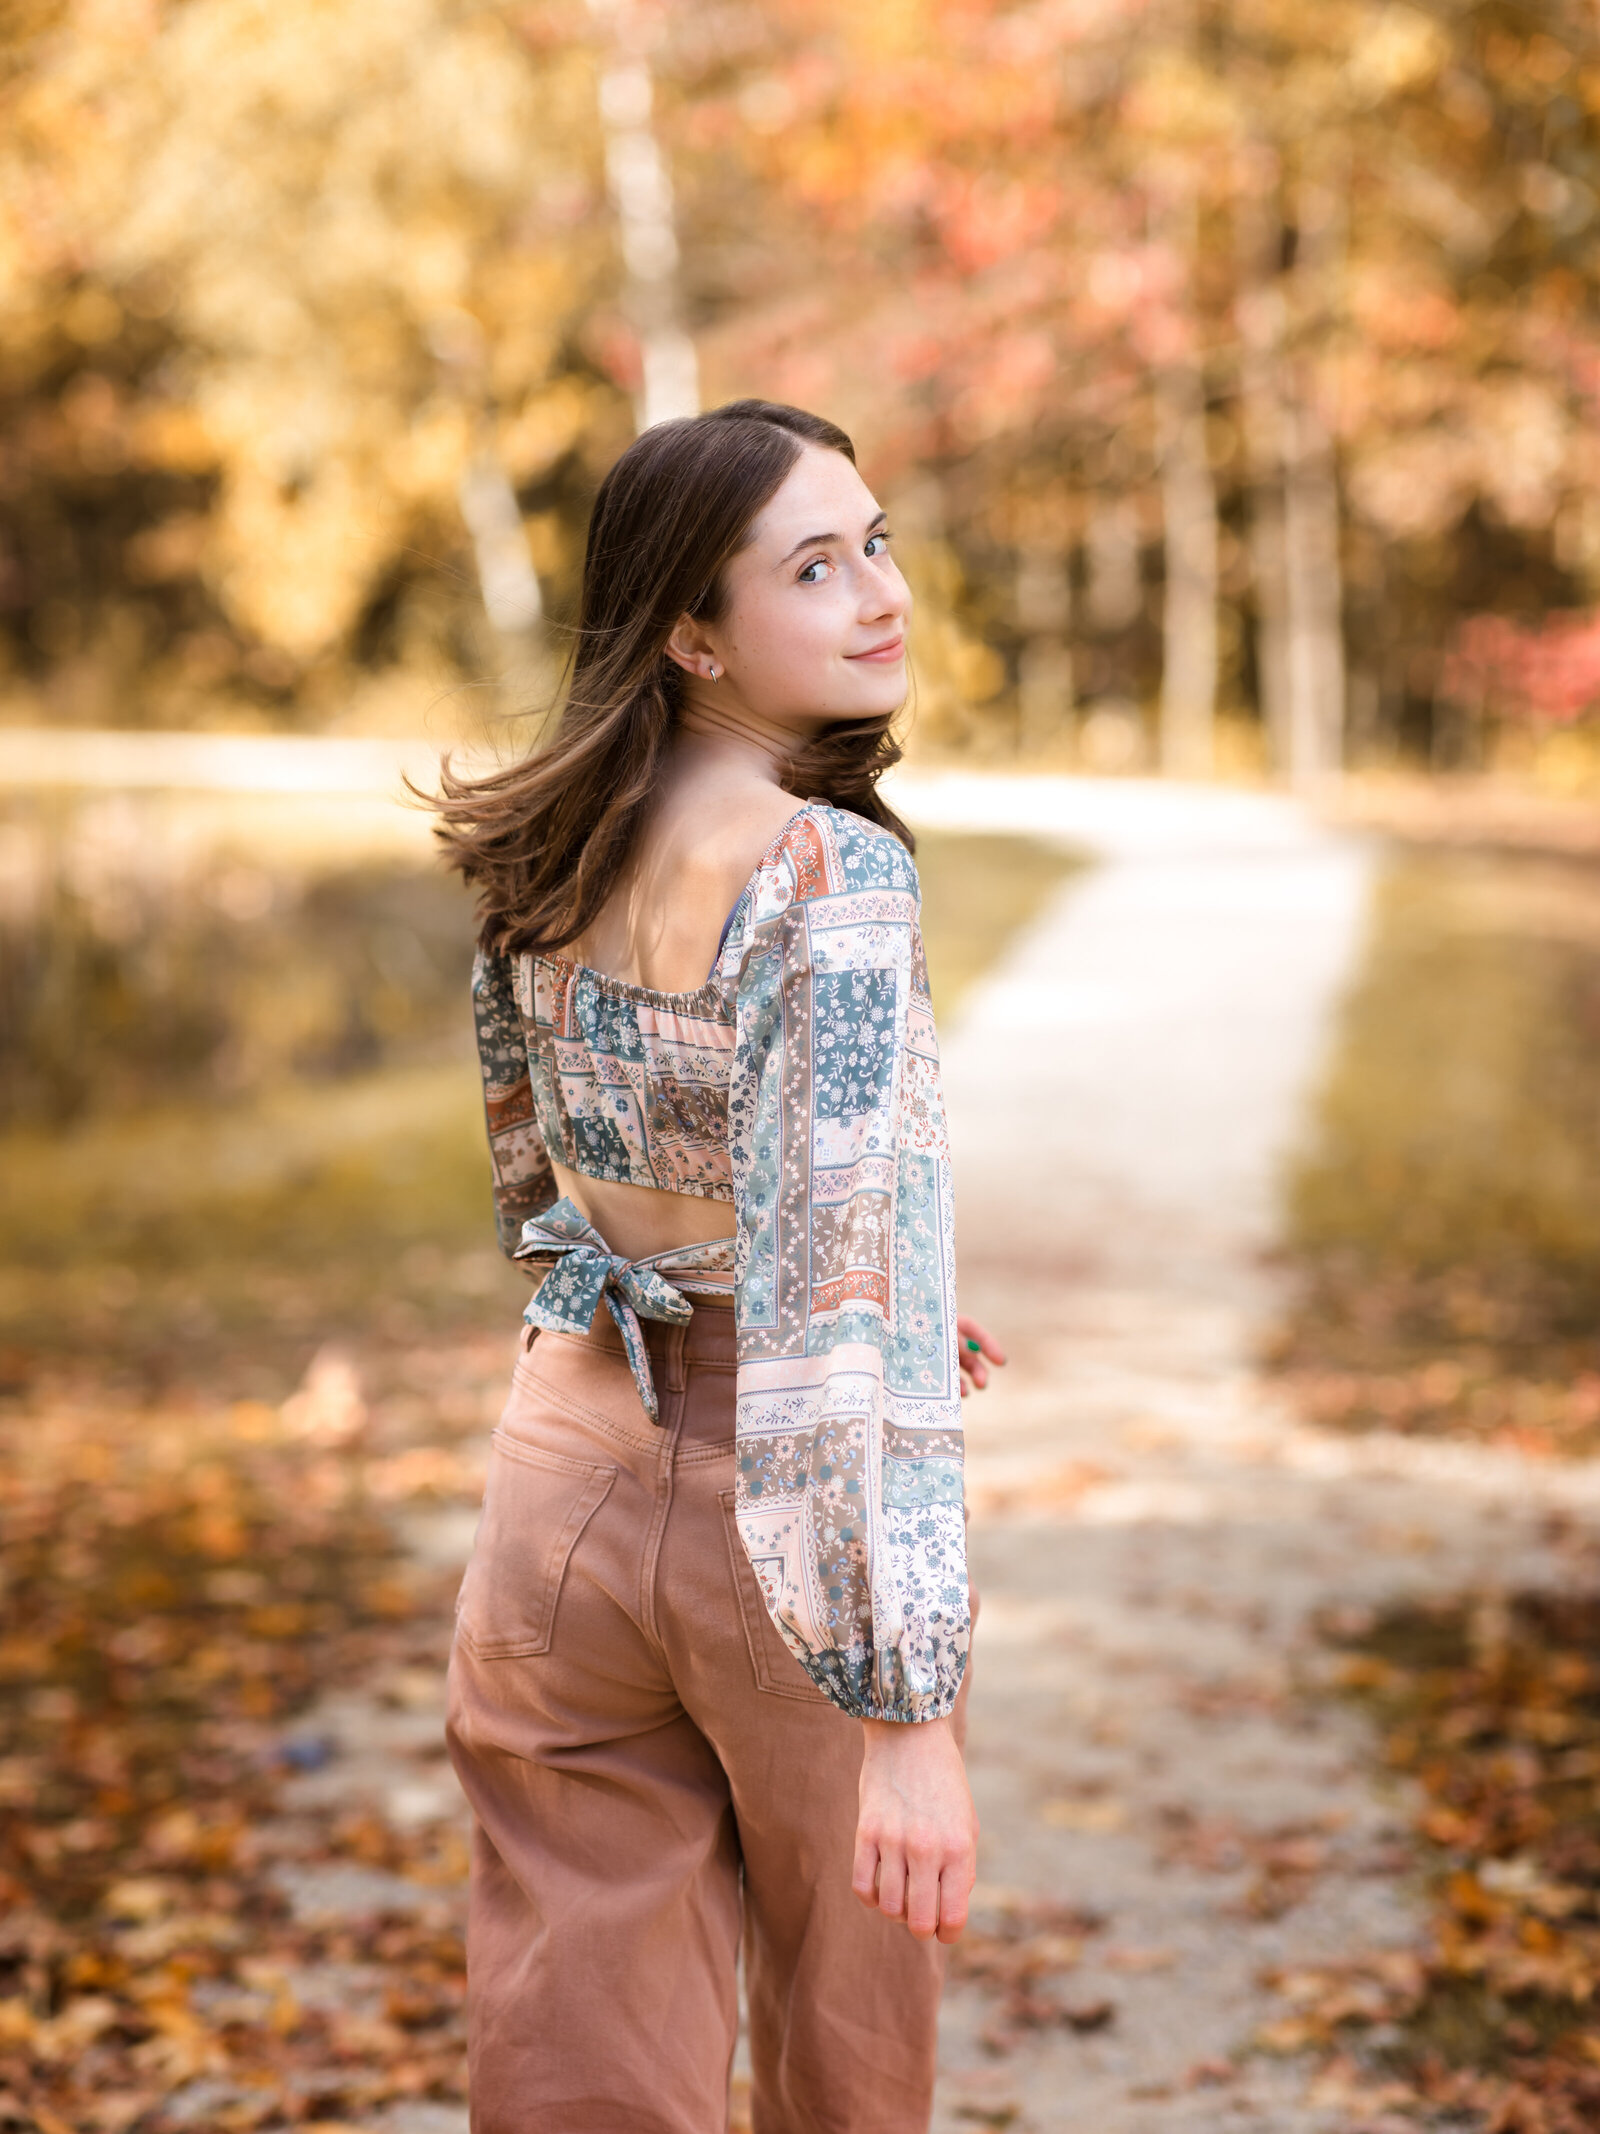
(849,1406)
(849,1398)
(524,1183)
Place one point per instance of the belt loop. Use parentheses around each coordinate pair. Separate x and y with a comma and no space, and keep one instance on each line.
(677,1342)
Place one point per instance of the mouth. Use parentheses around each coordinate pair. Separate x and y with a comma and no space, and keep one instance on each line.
(892,648)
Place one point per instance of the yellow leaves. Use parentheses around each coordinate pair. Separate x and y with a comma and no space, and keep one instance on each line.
(91,317)
(173,548)
(390,1598)
(1328,1998)
(978,670)
(1181,103)
(23,1659)
(548,424)
(1402,49)
(428,456)
(253,1422)
(297,191)
(1468,1899)
(165,434)
(425,1470)
(1098,1816)
(17,2024)
(140,1899)
(1137,1962)
(1362,1670)
(293,564)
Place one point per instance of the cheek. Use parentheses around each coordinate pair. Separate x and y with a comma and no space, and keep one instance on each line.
(791,635)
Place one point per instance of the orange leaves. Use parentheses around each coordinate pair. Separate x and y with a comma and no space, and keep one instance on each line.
(1493,1709)
(175,1595)
(1020,1954)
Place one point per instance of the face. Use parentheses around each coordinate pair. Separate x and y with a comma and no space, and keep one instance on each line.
(815,609)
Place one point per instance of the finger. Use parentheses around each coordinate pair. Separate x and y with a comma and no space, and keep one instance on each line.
(977,1341)
(891,1885)
(864,1871)
(922,1898)
(970,1330)
(955,1895)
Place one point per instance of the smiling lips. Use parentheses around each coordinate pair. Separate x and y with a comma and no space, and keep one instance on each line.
(890,649)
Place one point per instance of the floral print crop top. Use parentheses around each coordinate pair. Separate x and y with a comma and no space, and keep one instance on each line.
(800,1084)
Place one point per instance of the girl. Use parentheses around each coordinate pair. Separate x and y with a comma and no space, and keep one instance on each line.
(717,1618)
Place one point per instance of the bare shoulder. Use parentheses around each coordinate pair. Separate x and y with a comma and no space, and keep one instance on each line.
(731,831)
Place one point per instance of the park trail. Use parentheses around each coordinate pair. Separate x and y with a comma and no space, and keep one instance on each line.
(1171,1809)
(1165,1797)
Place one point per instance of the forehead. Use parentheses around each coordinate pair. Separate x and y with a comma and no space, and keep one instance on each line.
(821,493)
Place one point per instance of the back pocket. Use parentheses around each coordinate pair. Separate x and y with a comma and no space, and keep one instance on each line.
(777,1671)
(535,1506)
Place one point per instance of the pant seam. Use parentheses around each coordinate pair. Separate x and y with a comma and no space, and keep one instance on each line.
(672,1396)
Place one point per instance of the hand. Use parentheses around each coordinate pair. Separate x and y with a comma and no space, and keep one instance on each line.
(917,1835)
(975,1362)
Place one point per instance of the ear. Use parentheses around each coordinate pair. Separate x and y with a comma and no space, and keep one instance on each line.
(690,648)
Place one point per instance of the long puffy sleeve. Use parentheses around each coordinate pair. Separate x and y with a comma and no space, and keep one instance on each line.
(849,1398)
(524,1183)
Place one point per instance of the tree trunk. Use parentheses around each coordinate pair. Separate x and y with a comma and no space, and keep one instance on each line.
(507,582)
(1044,676)
(1189,518)
(641,194)
(1259,311)
(506,577)
(1312,569)
(1315,599)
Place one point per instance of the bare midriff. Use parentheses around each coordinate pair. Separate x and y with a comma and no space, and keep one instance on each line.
(638,1221)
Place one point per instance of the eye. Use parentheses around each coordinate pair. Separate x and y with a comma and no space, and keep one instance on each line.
(878,543)
(817,564)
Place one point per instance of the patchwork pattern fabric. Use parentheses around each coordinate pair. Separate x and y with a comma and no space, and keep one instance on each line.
(581,1271)
(801,1083)
(627,1083)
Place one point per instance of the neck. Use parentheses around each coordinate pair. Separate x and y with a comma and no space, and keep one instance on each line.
(728,731)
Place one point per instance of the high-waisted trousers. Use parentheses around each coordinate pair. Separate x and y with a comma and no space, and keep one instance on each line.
(653,1775)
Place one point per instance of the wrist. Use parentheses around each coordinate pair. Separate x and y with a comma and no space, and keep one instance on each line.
(898,1737)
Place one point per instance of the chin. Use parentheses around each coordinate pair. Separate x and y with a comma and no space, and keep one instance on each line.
(874,695)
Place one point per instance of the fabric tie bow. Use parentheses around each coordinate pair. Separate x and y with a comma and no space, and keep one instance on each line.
(583,1269)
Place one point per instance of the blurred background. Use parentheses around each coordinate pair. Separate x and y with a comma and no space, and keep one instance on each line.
(1229,369)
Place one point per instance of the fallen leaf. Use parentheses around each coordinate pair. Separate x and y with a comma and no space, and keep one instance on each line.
(1094,1817)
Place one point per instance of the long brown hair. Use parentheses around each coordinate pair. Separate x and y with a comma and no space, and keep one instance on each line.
(544,840)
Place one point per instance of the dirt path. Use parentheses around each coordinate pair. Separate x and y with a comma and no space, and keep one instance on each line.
(1150,1531)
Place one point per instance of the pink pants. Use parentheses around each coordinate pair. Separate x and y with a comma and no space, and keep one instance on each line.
(653,1775)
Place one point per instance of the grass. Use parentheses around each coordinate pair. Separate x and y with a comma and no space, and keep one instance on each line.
(1444,1220)
(1445,1231)
(978,892)
(169,1235)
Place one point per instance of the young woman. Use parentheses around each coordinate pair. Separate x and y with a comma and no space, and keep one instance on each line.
(711,1644)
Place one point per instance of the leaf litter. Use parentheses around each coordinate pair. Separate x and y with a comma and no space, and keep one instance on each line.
(183,1580)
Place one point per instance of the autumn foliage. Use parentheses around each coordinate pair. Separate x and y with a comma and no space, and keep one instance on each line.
(1277,320)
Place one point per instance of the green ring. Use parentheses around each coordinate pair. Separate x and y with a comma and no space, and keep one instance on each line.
(976,1347)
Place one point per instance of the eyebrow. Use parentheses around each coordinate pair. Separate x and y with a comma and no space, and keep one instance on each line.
(820,540)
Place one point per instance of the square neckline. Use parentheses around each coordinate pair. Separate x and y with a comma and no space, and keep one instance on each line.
(708,986)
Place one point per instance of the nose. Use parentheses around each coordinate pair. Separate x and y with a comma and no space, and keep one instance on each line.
(885,596)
